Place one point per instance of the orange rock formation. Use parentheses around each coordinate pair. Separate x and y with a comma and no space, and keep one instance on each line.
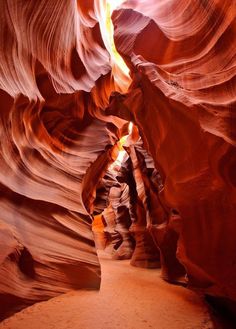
(67,94)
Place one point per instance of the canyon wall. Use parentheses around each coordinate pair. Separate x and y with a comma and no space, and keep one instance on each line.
(62,115)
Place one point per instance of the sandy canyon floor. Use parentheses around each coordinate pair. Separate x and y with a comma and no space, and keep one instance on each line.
(130,298)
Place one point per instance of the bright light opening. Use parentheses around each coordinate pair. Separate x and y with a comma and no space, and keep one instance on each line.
(122,153)
(120,71)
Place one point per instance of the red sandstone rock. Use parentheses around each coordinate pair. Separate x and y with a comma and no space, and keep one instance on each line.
(184,108)
(58,137)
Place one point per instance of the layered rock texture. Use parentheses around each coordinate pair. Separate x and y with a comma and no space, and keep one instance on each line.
(67,94)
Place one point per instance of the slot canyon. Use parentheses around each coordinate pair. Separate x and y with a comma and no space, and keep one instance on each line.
(118,164)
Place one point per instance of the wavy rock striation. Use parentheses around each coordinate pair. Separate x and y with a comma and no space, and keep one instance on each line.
(183,101)
(60,122)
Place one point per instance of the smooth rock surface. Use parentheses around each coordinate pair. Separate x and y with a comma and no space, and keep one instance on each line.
(129,298)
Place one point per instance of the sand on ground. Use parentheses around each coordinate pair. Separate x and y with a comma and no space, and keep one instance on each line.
(130,298)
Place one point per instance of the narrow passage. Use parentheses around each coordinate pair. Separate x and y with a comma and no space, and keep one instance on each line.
(130,298)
